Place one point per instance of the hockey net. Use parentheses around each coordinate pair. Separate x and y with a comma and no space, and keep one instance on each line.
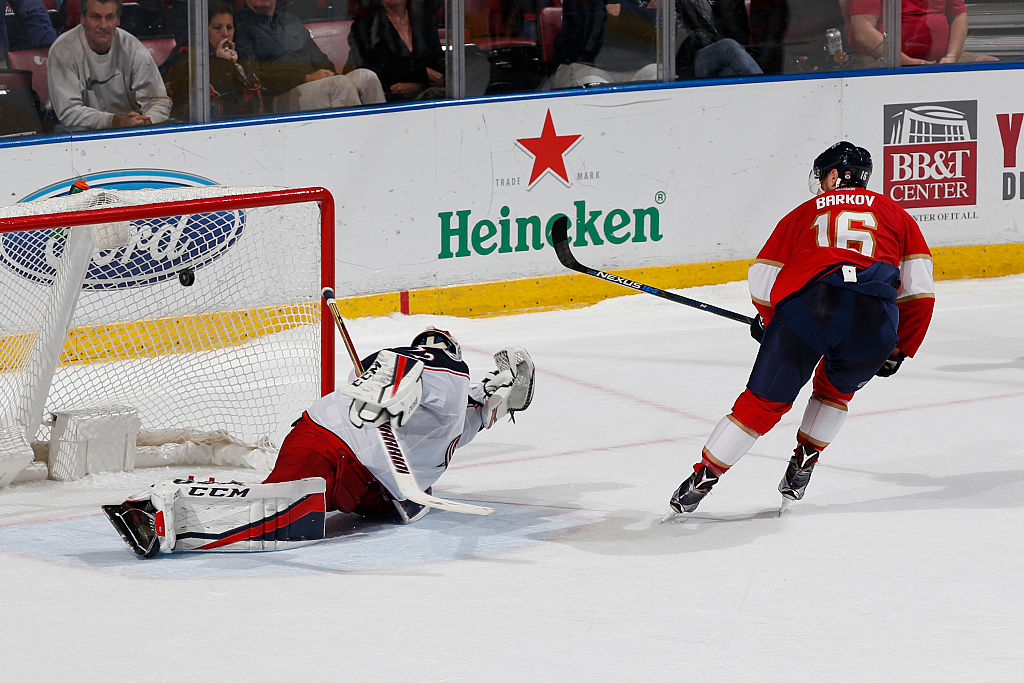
(198,307)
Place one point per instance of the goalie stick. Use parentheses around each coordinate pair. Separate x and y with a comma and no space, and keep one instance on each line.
(560,241)
(407,485)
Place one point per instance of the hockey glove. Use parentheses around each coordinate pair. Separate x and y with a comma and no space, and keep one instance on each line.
(757,328)
(390,389)
(509,388)
(890,366)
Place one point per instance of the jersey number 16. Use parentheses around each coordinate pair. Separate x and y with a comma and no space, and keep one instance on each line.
(852,230)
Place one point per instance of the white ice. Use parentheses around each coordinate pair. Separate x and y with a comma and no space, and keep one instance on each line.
(902,563)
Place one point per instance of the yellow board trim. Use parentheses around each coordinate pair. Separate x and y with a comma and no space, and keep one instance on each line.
(986,260)
(167,336)
(571,290)
(539,294)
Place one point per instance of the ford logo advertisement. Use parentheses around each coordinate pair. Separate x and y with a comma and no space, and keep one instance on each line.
(159,249)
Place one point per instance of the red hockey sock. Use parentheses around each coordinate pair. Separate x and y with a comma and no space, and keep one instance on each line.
(718,468)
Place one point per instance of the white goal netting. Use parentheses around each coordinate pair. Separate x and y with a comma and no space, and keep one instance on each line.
(206,321)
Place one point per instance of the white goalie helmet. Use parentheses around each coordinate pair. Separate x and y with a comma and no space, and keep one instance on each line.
(439,339)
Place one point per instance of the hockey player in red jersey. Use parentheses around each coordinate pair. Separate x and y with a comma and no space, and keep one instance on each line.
(843,290)
(333,457)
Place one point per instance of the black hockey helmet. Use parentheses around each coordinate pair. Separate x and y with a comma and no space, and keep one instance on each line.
(852,162)
(439,339)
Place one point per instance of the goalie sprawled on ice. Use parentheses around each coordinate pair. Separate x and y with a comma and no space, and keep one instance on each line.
(334,457)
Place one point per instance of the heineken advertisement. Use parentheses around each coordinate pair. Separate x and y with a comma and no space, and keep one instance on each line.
(464,234)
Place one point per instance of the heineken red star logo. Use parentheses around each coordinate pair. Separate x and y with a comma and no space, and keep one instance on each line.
(549,151)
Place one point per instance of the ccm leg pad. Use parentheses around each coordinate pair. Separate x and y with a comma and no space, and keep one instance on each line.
(184,514)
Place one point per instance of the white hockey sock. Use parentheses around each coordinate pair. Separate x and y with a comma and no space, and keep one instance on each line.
(729,441)
(822,421)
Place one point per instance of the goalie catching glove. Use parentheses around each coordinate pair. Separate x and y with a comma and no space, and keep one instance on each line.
(390,389)
(509,388)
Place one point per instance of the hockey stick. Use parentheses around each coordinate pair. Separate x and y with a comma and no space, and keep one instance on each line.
(407,485)
(560,241)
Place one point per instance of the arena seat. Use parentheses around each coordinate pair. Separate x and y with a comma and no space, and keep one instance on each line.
(332,38)
(484,26)
(74,12)
(548,27)
(160,48)
(34,60)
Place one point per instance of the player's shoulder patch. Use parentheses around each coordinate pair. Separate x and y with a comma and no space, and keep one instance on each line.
(434,359)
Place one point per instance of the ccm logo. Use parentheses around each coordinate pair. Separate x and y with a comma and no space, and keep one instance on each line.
(217,491)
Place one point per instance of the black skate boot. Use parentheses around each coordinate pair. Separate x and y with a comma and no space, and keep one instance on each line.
(798,473)
(408,511)
(136,522)
(692,491)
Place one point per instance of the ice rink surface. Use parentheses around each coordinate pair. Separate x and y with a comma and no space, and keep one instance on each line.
(904,562)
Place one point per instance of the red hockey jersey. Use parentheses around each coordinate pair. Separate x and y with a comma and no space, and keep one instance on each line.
(847,226)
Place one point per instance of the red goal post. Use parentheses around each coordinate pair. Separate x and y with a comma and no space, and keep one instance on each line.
(198,306)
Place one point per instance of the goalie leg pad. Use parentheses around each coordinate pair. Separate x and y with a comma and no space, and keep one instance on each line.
(231,516)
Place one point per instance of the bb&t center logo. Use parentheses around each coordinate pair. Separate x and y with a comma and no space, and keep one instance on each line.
(930,153)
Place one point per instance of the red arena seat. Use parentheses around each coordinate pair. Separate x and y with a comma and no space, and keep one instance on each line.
(34,60)
(484,25)
(160,48)
(548,27)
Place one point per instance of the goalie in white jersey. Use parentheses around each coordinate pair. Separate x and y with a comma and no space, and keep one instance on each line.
(333,458)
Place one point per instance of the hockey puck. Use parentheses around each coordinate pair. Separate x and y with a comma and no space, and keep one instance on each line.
(186,276)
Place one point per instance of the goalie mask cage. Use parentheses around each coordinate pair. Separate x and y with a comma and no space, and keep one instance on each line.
(198,306)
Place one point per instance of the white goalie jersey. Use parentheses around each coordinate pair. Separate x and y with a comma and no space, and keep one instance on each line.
(445,419)
(423,392)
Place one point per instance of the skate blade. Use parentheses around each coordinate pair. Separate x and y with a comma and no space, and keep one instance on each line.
(675,517)
(784,506)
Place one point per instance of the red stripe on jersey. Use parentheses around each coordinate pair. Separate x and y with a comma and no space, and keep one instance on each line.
(399,373)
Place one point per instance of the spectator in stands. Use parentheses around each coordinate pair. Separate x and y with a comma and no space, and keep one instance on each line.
(397,40)
(34,19)
(101,76)
(234,86)
(603,42)
(295,73)
(788,36)
(930,31)
(711,36)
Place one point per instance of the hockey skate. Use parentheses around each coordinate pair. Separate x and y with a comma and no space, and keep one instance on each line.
(798,473)
(692,491)
(408,511)
(136,522)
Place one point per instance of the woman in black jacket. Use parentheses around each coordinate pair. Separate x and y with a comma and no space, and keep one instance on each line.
(398,40)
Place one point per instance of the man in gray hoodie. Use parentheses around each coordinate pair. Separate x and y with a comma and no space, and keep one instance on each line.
(101,76)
